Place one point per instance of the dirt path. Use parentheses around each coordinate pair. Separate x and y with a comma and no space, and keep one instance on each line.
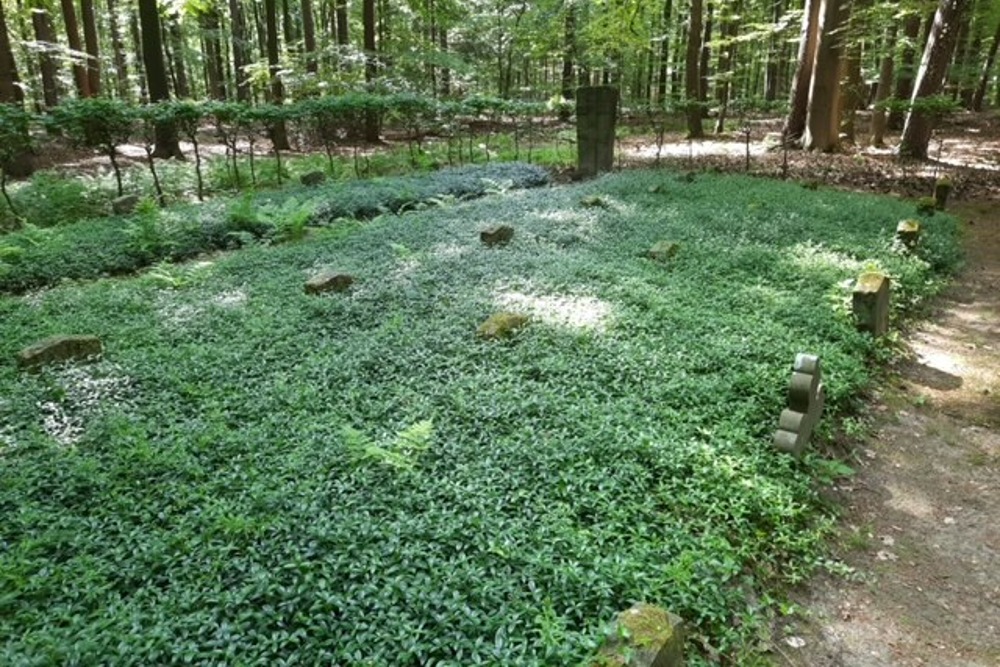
(921,524)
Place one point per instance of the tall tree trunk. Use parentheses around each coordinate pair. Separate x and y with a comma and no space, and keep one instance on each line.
(214,78)
(93,53)
(885,73)
(772,72)
(10,83)
(664,65)
(343,37)
(933,67)
(309,36)
(956,72)
(445,71)
(727,52)
(181,84)
(907,70)
(569,50)
(241,49)
(137,47)
(73,37)
(795,125)
(705,64)
(45,34)
(118,49)
(371,66)
(854,92)
(692,81)
(984,77)
(279,135)
(289,29)
(822,122)
(167,145)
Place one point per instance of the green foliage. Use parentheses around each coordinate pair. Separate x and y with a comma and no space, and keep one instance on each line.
(251,475)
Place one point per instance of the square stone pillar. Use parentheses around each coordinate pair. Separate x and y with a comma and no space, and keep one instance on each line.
(871,303)
(596,111)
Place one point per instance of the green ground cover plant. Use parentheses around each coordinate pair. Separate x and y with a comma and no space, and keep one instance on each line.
(256,475)
(35,257)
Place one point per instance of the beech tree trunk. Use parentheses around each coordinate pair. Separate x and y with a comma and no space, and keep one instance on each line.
(569,50)
(933,67)
(279,135)
(773,71)
(795,125)
(118,49)
(705,64)
(167,145)
(181,85)
(822,122)
(241,49)
(343,38)
(661,78)
(907,70)
(73,37)
(309,36)
(10,84)
(885,73)
(984,77)
(214,78)
(727,58)
(93,53)
(371,66)
(692,82)
(45,34)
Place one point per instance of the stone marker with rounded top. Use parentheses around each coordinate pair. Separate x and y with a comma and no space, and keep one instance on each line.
(329,281)
(496,235)
(643,636)
(501,325)
(56,349)
(806,397)
(942,188)
(908,232)
(870,303)
(125,204)
(663,251)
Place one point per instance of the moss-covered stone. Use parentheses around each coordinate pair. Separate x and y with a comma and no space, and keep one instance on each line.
(870,303)
(593,201)
(496,235)
(59,348)
(942,188)
(501,325)
(926,205)
(644,636)
(663,251)
(908,232)
(329,281)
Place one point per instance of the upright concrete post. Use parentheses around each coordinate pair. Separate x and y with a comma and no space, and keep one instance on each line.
(596,108)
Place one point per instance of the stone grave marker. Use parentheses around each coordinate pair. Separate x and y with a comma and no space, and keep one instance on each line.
(125,204)
(942,188)
(908,233)
(329,281)
(870,303)
(56,349)
(806,397)
(496,235)
(643,636)
(663,251)
(501,325)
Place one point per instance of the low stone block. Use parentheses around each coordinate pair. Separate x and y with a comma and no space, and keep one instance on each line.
(593,201)
(501,325)
(643,636)
(125,204)
(58,349)
(908,233)
(496,235)
(927,205)
(329,281)
(942,188)
(312,179)
(663,251)
(870,303)
(806,398)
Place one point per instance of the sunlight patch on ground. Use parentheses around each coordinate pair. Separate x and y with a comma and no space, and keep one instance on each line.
(575,312)
(810,256)
(700,148)
(86,389)
(909,501)
(230,298)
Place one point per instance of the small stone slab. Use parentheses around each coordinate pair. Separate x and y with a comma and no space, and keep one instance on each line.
(927,205)
(870,303)
(329,281)
(593,201)
(908,232)
(125,204)
(942,188)
(643,636)
(501,325)
(663,251)
(806,397)
(313,178)
(496,235)
(59,348)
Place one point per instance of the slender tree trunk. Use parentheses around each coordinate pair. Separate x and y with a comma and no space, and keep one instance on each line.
(984,77)
(279,135)
(343,38)
(118,49)
(907,69)
(692,80)
(727,52)
(445,71)
(214,78)
(705,64)
(853,90)
(822,122)
(140,65)
(569,50)
(371,65)
(662,74)
(241,51)
(45,34)
(885,73)
(167,145)
(90,39)
(771,84)
(309,36)
(933,67)
(795,125)
(289,31)
(73,37)
(182,86)
(956,72)
(10,83)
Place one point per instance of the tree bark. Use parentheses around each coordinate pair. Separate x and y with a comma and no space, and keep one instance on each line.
(10,83)
(181,85)
(241,51)
(371,65)
(984,77)
(93,53)
(692,81)
(885,73)
(137,49)
(214,78)
(309,36)
(279,135)
(728,31)
(118,49)
(445,71)
(795,125)
(661,78)
(705,64)
(822,122)
(933,67)
(343,37)
(167,145)
(569,50)
(772,71)
(73,37)
(45,34)
(906,70)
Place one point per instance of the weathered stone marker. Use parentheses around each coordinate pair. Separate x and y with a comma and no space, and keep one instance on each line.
(643,636)
(59,348)
(329,281)
(806,397)
(313,178)
(596,110)
(496,235)
(125,204)
(908,233)
(501,325)
(870,303)
(663,251)
(942,188)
